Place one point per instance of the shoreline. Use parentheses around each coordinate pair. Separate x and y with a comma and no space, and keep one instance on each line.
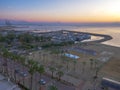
(106,37)
(104,51)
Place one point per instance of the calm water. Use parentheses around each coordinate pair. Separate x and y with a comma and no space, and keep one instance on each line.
(112,31)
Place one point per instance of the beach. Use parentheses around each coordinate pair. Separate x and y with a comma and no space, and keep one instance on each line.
(114,32)
(76,71)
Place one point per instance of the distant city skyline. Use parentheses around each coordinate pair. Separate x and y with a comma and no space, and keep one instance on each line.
(61,10)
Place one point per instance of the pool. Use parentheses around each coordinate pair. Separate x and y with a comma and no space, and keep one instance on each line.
(71,56)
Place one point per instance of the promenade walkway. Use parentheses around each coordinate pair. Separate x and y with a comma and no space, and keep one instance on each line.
(5,84)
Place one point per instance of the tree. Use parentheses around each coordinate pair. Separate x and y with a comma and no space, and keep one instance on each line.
(96,72)
(60,74)
(2,38)
(67,66)
(26,38)
(22,61)
(11,36)
(95,63)
(52,69)
(74,62)
(84,63)
(52,87)
(91,63)
(14,58)
(41,70)
(44,58)
(6,55)
(66,61)
(32,69)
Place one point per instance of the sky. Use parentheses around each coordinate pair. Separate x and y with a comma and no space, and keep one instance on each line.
(61,10)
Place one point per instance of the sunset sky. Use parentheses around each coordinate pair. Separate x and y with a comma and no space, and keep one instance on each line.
(61,10)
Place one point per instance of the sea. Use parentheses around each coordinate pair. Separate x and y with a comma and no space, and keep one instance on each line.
(112,31)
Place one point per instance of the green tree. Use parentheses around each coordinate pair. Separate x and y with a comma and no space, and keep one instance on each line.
(41,70)
(52,87)
(13,58)
(52,69)
(95,63)
(91,63)
(96,72)
(60,74)
(11,36)
(32,69)
(6,55)
(83,68)
(65,61)
(22,61)
(2,38)
(74,62)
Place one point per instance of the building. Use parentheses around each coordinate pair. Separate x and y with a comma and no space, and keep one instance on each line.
(6,84)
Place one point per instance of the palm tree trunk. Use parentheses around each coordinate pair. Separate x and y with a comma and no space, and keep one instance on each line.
(67,65)
(35,82)
(59,78)
(40,83)
(83,69)
(7,71)
(23,76)
(31,82)
(15,76)
(52,74)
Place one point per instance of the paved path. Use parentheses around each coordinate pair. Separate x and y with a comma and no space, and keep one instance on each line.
(11,66)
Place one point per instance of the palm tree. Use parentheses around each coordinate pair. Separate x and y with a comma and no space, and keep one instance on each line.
(40,55)
(52,87)
(96,72)
(32,69)
(95,63)
(67,66)
(74,62)
(43,58)
(15,58)
(3,62)
(41,70)
(66,61)
(84,63)
(60,74)
(11,57)
(91,63)
(6,54)
(22,61)
(52,69)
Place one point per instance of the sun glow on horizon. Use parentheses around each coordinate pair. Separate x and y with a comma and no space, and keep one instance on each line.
(61,11)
